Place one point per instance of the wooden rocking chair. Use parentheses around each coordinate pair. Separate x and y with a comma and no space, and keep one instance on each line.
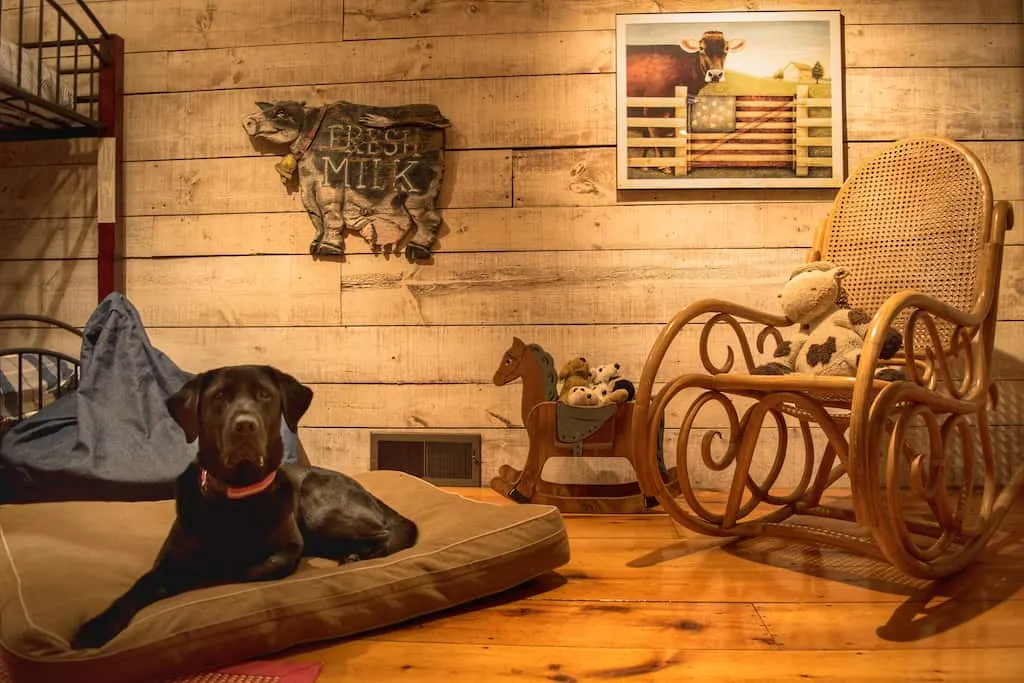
(922,240)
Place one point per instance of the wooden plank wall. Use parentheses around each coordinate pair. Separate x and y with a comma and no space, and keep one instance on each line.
(537,242)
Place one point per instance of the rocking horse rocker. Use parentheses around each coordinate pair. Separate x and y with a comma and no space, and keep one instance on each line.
(557,429)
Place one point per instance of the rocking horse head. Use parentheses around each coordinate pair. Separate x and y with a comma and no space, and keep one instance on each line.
(533,364)
(510,367)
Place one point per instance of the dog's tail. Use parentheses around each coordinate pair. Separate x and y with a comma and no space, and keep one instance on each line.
(402,533)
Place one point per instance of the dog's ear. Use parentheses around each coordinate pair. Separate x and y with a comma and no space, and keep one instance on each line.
(184,407)
(295,398)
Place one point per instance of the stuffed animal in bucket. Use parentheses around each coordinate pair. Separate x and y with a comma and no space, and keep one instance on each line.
(831,334)
(574,373)
(610,386)
(604,374)
(608,394)
(583,397)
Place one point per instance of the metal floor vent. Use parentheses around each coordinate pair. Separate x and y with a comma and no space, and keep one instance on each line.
(441,459)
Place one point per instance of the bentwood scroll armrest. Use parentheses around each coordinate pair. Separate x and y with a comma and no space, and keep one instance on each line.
(925,315)
(722,312)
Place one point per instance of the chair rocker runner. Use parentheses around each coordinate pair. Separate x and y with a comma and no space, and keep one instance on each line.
(918,232)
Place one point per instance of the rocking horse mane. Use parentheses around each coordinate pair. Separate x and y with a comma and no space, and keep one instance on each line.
(548,373)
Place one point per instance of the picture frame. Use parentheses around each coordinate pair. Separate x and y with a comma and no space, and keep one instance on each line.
(747,100)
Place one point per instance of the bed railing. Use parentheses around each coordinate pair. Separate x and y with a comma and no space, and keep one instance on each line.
(51,60)
(32,377)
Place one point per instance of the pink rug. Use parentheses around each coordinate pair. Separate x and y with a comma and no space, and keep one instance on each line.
(249,672)
(257,672)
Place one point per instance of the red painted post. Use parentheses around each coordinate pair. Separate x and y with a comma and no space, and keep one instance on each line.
(110,266)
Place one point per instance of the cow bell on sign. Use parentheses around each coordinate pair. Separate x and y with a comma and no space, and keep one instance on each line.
(286,167)
(374,171)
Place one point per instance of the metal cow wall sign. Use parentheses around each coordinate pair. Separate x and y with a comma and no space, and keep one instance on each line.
(374,171)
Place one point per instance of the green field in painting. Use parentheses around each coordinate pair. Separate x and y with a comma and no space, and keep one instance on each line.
(744,84)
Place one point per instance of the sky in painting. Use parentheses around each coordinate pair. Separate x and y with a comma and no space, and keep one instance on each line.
(770,45)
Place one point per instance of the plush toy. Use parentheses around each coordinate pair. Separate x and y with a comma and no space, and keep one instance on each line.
(606,394)
(609,385)
(831,334)
(583,396)
(575,373)
(604,374)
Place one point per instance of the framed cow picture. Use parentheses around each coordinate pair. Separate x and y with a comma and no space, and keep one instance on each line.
(729,100)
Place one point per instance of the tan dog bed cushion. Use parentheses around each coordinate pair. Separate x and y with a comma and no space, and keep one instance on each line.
(64,562)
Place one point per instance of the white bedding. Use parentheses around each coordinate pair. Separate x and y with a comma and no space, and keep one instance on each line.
(29,66)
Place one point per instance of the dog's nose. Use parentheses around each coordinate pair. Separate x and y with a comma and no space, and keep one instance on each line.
(244,424)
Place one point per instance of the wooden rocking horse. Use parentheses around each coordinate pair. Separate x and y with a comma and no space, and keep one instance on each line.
(556,429)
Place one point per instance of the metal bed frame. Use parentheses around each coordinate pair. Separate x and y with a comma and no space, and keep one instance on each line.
(91,60)
(25,355)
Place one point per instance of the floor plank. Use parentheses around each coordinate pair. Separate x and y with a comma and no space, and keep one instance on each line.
(645,600)
(757,570)
(950,624)
(453,663)
(725,626)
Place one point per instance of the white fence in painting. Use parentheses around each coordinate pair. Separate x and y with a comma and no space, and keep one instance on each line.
(770,131)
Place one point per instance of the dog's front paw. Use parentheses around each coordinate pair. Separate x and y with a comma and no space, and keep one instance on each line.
(96,632)
(277,566)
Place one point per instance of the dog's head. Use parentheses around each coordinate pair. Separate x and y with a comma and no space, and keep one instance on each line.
(235,412)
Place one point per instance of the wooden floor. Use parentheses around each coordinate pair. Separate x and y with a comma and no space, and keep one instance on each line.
(642,600)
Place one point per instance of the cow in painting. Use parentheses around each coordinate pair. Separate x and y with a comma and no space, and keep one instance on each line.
(656,70)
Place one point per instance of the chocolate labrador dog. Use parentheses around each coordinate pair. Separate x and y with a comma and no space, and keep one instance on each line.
(241,515)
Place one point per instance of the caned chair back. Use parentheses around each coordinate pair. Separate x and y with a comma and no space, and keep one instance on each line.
(915,216)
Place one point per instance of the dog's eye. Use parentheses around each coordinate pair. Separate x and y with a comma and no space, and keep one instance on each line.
(263,395)
(280,115)
(219,396)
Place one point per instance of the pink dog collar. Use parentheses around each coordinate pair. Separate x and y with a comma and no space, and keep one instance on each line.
(236,492)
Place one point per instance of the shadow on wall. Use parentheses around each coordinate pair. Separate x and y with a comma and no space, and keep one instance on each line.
(42,247)
(41,286)
(1008,416)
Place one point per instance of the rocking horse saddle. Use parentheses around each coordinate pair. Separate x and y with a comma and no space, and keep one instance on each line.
(585,427)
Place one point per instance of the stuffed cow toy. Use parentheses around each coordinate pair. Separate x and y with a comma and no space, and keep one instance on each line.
(831,334)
